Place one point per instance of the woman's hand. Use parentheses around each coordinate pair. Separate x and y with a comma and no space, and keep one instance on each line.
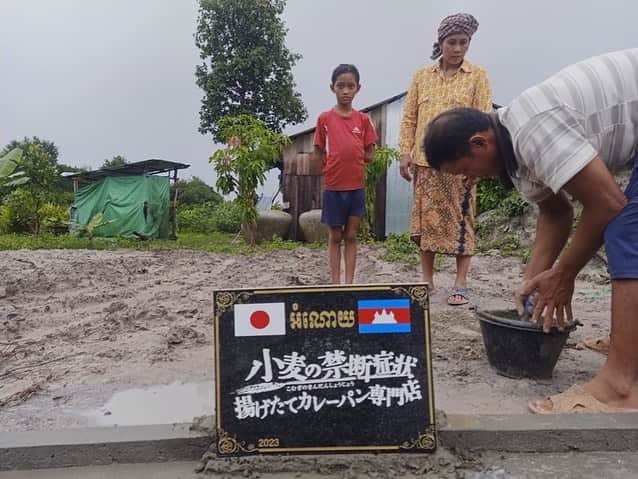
(405,161)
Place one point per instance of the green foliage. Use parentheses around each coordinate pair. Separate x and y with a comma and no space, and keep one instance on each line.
(94,224)
(60,186)
(513,205)
(489,194)
(38,173)
(195,192)
(195,218)
(504,244)
(246,67)
(5,220)
(9,163)
(19,212)
(89,229)
(227,217)
(278,243)
(492,196)
(252,150)
(211,242)
(383,157)
(54,216)
(401,249)
(117,160)
(224,217)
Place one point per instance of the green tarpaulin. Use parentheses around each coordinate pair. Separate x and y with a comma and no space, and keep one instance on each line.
(133,206)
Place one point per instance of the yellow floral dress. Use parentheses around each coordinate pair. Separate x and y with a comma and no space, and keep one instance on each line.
(443,208)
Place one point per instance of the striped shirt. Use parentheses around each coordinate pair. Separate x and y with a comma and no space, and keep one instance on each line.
(560,125)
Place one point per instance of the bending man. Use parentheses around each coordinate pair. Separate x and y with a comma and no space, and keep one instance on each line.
(567,134)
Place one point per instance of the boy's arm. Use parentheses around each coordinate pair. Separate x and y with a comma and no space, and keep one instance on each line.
(368,154)
(319,150)
(369,140)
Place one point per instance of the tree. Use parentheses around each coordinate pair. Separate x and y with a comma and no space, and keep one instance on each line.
(195,192)
(48,146)
(62,186)
(117,160)
(35,174)
(252,149)
(246,66)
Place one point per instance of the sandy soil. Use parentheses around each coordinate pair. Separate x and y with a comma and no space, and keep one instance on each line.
(78,326)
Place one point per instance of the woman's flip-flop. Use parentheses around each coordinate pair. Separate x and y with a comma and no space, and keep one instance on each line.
(458,292)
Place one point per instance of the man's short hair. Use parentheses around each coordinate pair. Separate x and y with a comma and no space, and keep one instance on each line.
(448,134)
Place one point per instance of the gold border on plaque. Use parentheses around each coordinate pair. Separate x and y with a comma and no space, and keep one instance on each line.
(227,444)
(225,299)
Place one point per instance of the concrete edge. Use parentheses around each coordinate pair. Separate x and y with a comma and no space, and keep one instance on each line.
(177,442)
(535,433)
(101,446)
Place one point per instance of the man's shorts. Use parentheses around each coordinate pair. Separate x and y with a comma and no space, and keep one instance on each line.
(339,205)
(621,235)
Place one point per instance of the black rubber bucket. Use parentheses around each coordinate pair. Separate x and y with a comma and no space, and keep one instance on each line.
(519,349)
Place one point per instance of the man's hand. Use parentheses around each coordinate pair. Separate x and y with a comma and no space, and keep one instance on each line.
(555,288)
(405,161)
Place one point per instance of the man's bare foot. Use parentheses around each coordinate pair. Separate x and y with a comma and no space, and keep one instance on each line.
(611,393)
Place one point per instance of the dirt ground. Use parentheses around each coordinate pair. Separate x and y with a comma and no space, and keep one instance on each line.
(78,326)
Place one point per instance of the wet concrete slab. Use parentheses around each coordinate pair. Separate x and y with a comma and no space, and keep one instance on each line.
(161,404)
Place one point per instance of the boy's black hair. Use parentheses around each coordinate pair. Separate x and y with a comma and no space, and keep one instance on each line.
(448,134)
(345,68)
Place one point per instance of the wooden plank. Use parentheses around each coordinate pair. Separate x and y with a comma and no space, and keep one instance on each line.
(381,186)
(303,166)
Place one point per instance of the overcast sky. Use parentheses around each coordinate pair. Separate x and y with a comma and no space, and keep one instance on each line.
(115,77)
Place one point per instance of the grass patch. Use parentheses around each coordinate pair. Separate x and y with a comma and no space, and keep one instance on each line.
(401,249)
(215,242)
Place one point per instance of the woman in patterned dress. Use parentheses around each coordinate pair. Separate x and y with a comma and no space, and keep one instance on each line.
(444,205)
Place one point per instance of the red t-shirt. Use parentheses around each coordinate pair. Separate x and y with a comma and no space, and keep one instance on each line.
(344,139)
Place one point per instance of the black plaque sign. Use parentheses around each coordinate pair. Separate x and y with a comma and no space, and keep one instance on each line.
(324,369)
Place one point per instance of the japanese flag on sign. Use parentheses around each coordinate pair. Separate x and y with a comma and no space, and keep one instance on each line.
(260,319)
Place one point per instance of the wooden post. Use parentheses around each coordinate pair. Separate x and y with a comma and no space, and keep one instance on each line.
(172,213)
(381,186)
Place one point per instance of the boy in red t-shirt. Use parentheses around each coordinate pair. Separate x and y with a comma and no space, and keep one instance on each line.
(344,139)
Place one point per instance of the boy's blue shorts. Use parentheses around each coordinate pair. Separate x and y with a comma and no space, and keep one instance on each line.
(339,205)
(621,235)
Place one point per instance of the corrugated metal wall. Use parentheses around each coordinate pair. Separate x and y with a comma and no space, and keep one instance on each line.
(399,192)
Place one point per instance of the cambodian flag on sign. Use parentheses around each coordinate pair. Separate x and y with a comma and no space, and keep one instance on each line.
(384,316)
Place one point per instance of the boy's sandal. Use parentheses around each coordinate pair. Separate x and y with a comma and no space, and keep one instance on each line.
(458,297)
(574,400)
(599,344)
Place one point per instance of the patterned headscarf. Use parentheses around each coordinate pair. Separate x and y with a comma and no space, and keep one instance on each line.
(457,23)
